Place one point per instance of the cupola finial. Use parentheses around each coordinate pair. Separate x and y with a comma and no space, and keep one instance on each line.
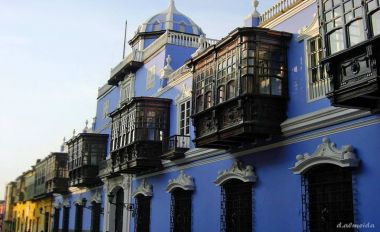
(255,4)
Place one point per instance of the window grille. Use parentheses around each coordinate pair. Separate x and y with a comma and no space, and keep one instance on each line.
(184,118)
(180,211)
(142,218)
(236,206)
(318,82)
(327,199)
(78,218)
(95,217)
(66,218)
(119,210)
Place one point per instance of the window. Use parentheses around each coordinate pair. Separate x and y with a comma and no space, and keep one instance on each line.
(208,100)
(180,212)
(106,108)
(95,217)
(318,83)
(150,78)
(156,26)
(46,221)
(203,84)
(78,217)
(184,117)
(230,89)
(236,206)
(182,27)
(119,210)
(343,23)
(66,218)
(143,213)
(220,94)
(327,198)
(56,220)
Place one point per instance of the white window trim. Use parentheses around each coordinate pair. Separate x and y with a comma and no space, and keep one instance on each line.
(184,96)
(127,83)
(306,34)
(106,109)
(150,77)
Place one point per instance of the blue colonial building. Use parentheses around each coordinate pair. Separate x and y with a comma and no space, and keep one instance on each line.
(195,134)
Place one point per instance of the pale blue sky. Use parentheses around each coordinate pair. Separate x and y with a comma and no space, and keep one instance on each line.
(54,54)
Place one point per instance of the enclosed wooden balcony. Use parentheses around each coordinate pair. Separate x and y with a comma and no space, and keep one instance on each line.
(240,88)
(138,128)
(86,151)
(175,147)
(56,173)
(352,42)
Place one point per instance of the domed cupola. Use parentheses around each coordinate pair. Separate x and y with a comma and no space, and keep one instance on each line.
(170,19)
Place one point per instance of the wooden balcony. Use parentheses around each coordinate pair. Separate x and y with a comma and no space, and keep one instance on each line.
(138,127)
(86,151)
(355,76)
(175,147)
(240,89)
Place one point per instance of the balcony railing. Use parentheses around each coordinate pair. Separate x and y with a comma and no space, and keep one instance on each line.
(169,37)
(175,146)
(278,8)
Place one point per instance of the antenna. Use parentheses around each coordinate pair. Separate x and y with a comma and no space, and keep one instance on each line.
(125,37)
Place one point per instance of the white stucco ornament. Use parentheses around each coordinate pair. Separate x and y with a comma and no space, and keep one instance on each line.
(97,197)
(144,189)
(326,153)
(238,171)
(183,181)
(66,203)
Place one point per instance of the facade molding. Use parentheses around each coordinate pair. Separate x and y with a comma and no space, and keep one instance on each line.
(320,119)
(144,189)
(201,157)
(309,31)
(237,172)
(288,14)
(326,153)
(97,197)
(183,181)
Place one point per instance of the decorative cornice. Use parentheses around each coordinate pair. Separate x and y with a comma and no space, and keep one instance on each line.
(144,189)
(320,119)
(184,94)
(238,172)
(309,31)
(97,197)
(79,201)
(199,157)
(326,153)
(66,203)
(183,181)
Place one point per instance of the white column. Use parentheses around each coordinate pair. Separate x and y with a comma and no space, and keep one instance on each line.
(127,199)
(106,207)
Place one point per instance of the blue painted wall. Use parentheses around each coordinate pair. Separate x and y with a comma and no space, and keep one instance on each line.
(277,192)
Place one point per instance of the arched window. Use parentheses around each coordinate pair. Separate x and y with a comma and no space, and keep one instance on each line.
(156,26)
(78,217)
(327,197)
(180,210)
(56,220)
(199,103)
(119,210)
(221,94)
(66,218)
(230,89)
(95,216)
(142,223)
(208,100)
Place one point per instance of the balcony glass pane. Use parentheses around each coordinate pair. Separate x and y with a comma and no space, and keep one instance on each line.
(375,20)
(356,32)
(336,41)
(372,5)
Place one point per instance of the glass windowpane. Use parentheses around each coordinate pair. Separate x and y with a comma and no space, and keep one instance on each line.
(356,32)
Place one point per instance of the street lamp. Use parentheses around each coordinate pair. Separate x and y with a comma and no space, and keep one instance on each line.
(128,206)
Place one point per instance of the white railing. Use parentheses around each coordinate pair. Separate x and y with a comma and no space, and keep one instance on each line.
(318,89)
(168,37)
(278,8)
(135,55)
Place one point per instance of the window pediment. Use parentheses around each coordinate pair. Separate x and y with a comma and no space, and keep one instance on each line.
(144,189)
(237,171)
(326,153)
(183,181)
